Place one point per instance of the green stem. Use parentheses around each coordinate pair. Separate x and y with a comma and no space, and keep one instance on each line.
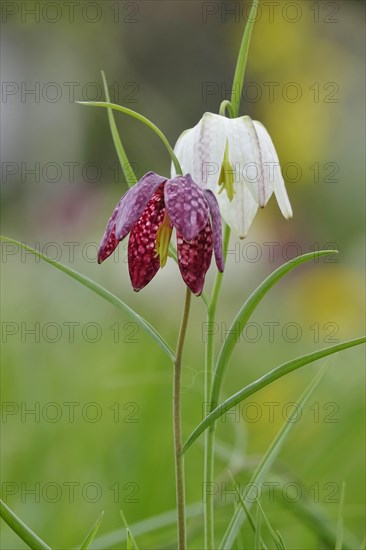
(22,530)
(141,118)
(177,422)
(232,108)
(209,436)
(226,105)
(241,63)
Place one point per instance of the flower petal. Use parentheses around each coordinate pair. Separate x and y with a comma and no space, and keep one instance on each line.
(240,212)
(216,228)
(109,241)
(127,212)
(143,263)
(194,258)
(134,202)
(200,150)
(274,170)
(246,158)
(186,206)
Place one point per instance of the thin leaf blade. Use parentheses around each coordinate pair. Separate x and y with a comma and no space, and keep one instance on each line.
(21,529)
(127,169)
(246,311)
(131,542)
(340,526)
(264,381)
(277,540)
(266,463)
(103,292)
(92,533)
(141,118)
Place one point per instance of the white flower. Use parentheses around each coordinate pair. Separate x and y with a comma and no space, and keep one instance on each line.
(236,159)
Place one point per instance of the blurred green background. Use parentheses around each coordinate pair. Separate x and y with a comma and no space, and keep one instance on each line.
(101,437)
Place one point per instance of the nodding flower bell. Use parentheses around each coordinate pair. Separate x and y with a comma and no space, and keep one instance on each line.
(236,159)
(149,211)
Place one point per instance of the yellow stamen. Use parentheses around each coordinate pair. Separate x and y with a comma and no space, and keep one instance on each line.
(226,178)
(163,239)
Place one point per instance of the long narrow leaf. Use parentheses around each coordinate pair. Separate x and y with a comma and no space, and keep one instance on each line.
(340,526)
(265,465)
(130,538)
(122,156)
(264,381)
(141,118)
(313,516)
(21,529)
(248,516)
(103,292)
(246,311)
(276,539)
(92,533)
(149,525)
(258,538)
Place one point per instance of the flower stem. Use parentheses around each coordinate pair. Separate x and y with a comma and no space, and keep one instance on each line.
(210,434)
(177,424)
(141,118)
(226,106)
(241,63)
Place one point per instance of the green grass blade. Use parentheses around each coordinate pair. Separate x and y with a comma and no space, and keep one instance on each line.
(246,311)
(149,525)
(127,169)
(340,526)
(265,465)
(92,533)
(313,516)
(280,539)
(264,381)
(103,292)
(258,538)
(21,529)
(141,118)
(276,539)
(131,542)
(248,516)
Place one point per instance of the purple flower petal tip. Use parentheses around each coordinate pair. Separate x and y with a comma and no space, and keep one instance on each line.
(186,206)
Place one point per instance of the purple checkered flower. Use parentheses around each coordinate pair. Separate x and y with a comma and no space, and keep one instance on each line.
(149,211)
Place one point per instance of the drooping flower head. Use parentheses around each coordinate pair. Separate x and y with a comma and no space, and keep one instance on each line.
(149,211)
(237,160)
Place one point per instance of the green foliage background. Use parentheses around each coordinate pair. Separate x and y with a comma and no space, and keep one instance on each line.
(167,56)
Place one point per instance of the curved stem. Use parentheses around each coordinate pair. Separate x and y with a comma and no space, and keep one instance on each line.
(141,118)
(177,423)
(209,435)
(226,105)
